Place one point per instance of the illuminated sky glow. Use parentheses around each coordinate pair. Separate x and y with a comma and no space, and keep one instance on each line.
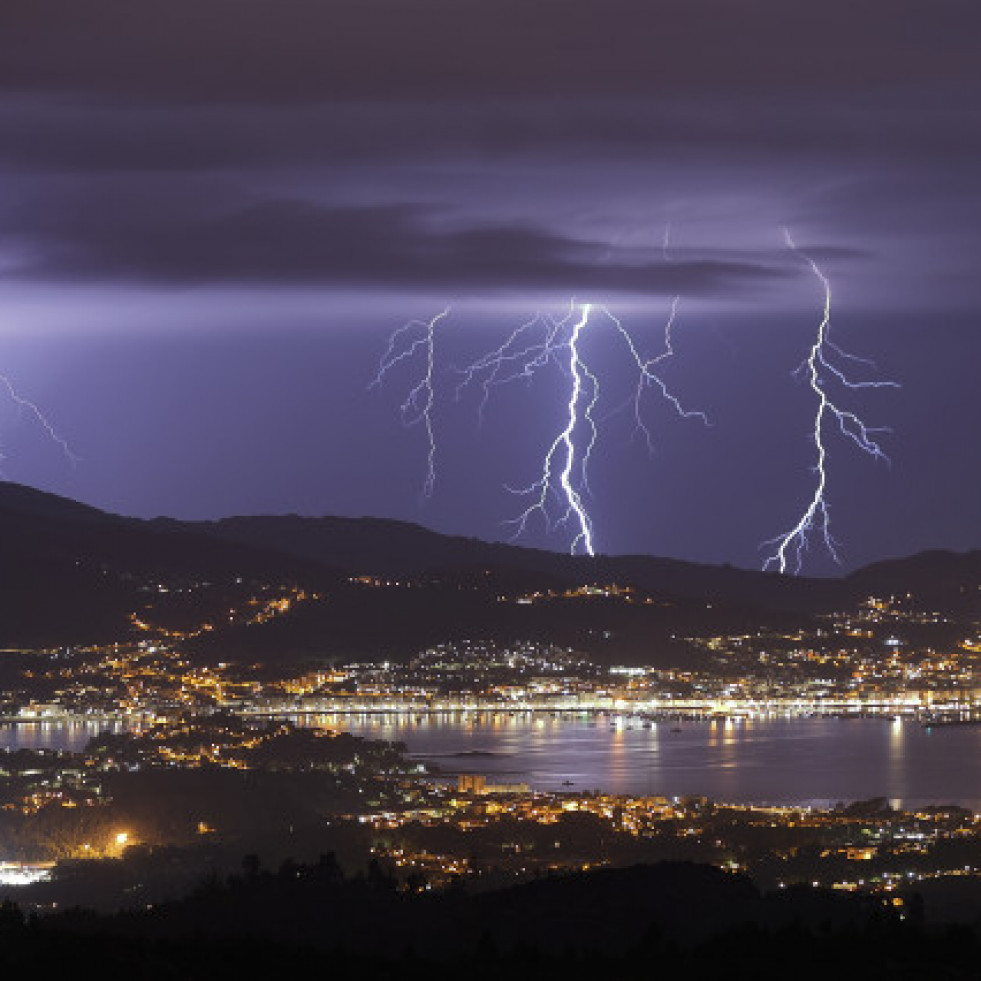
(214,214)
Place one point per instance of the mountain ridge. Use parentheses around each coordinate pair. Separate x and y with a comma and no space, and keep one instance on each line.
(68,568)
(339,542)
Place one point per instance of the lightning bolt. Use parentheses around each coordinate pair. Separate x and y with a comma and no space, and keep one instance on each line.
(647,376)
(815,519)
(564,475)
(509,362)
(564,446)
(541,342)
(404,346)
(34,409)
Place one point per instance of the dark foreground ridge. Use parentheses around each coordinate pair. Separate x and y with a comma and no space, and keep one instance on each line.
(695,920)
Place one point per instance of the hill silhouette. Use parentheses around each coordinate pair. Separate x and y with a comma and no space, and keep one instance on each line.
(75,574)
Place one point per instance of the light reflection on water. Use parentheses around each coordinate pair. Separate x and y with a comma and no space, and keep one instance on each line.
(809,760)
(813,760)
(53,735)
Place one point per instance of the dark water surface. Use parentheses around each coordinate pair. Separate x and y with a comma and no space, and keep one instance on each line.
(764,761)
(812,760)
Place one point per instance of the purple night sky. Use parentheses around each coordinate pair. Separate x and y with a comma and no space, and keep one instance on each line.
(214,212)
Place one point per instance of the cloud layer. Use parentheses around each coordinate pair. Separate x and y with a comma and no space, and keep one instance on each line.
(289,51)
(460,144)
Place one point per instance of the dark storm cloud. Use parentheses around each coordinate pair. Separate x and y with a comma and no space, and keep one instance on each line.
(902,205)
(43,134)
(760,106)
(193,84)
(294,242)
(195,51)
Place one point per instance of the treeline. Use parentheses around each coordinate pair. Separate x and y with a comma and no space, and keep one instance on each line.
(672,917)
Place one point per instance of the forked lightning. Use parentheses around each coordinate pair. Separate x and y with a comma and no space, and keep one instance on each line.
(815,519)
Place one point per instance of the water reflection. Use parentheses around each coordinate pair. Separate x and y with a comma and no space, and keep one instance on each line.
(779,760)
(73,736)
(775,760)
